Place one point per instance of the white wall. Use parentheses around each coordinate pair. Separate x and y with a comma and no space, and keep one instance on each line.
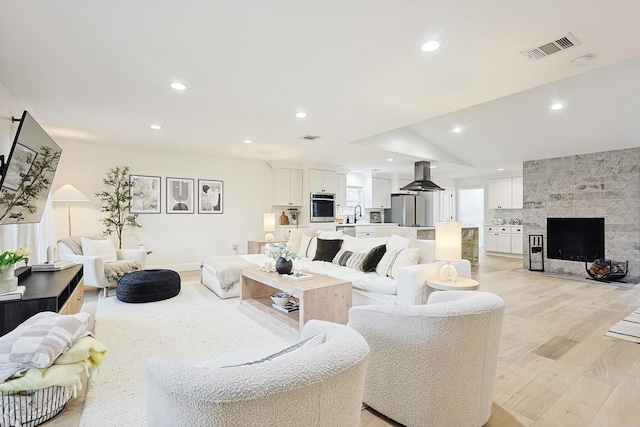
(178,241)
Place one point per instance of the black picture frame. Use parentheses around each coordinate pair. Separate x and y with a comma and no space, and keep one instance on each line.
(210,196)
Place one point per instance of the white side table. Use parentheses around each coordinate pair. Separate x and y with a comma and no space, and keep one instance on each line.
(461,284)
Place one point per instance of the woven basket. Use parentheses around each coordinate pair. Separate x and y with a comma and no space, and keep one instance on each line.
(33,407)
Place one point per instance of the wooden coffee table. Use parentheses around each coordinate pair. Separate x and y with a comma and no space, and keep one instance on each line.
(321,297)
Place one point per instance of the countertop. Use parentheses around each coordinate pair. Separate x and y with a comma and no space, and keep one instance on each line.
(433,227)
(375,224)
(503,225)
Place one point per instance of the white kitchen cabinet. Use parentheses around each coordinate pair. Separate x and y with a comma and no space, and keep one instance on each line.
(505,193)
(497,239)
(517,192)
(364,231)
(380,193)
(516,240)
(321,181)
(287,189)
(341,192)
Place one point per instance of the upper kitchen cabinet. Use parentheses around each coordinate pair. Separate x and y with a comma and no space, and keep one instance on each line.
(321,181)
(380,194)
(341,193)
(287,187)
(505,193)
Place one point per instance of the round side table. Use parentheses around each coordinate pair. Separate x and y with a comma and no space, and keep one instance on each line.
(461,284)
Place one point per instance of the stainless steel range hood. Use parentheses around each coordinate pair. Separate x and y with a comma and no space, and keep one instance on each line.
(422,176)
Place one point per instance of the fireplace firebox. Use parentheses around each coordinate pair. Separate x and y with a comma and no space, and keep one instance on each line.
(575,239)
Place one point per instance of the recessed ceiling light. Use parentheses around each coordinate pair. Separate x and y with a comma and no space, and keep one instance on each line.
(557,106)
(248,141)
(301,114)
(155,127)
(177,86)
(457,130)
(500,169)
(389,159)
(431,45)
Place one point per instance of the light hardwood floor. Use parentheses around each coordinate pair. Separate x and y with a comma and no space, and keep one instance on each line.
(555,368)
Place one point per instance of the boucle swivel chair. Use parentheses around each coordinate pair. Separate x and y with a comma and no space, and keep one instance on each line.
(316,387)
(434,364)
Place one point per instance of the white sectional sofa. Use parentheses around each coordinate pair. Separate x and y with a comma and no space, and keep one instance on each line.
(402,283)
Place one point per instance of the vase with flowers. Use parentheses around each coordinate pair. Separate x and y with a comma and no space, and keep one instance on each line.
(283,256)
(8,260)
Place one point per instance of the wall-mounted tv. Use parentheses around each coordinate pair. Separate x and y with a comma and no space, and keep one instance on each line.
(575,239)
(28,173)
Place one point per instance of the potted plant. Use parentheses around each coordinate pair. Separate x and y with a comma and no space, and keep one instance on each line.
(8,260)
(295,213)
(283,256)
(116,202)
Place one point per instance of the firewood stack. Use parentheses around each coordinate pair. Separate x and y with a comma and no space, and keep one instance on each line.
(605,269)
(600,269)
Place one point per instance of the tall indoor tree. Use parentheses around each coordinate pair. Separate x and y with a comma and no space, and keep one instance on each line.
(116,201)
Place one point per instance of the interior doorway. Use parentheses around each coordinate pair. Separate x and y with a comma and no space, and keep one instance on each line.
(472,210)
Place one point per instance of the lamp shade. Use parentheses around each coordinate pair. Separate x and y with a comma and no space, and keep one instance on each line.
(449,241)
(68,193)
(269,221)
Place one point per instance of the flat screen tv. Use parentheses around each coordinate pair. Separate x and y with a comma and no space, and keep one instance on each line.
(28,173)
(575,239)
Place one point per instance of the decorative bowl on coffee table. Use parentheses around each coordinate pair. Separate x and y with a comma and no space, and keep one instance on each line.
(281,298)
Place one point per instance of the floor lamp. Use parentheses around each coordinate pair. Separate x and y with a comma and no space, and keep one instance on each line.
(448,248)
(68,193)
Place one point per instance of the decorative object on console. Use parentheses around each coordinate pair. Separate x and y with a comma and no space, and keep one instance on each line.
(68,193)
(269,225)
(145,194)
(448,247)
(180,195)
(8,260)
(210,196)
(116,202)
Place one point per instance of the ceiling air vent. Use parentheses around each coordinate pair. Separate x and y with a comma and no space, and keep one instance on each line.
(309,137)
(552,47)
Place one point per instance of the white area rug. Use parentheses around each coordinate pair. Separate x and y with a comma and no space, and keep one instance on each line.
(627,329)
(191,327)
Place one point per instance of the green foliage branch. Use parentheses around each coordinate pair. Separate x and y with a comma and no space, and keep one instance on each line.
(116,201)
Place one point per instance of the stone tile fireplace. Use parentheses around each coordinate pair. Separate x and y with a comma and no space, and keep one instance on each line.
(605,184)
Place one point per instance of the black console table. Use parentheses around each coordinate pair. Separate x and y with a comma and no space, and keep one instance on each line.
(58,291)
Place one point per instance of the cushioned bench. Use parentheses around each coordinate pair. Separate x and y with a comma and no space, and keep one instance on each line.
(148,286)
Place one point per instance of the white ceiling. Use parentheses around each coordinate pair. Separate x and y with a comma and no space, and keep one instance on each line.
(98,71)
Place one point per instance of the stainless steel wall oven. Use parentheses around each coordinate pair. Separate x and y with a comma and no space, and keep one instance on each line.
(323,207)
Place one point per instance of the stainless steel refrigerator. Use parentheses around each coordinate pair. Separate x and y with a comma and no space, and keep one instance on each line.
(411,210)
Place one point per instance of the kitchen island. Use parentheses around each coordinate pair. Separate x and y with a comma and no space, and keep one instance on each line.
(470,235)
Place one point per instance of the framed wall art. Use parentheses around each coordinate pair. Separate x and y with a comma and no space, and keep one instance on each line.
(179,195)
(210,196)
(145,194)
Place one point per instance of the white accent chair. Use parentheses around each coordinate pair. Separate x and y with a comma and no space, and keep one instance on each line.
(320,386)
(434,364)
(93,266)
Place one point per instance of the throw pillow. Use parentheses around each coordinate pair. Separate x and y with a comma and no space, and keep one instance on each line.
(327,249)
(306,344)
(373,257)
(308,246)
(427,249)
(330,235)
(385,262)
(355,260)
(403,258)
(295,237)
(397,242)
(342,257)
(101,248)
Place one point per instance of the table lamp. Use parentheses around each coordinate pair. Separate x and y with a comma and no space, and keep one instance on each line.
(68,193)
(269,225)
(448,248)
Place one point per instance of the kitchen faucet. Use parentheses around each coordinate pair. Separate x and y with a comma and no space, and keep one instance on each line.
(355,213)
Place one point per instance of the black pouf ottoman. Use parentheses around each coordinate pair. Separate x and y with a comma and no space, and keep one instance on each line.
(148,286)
